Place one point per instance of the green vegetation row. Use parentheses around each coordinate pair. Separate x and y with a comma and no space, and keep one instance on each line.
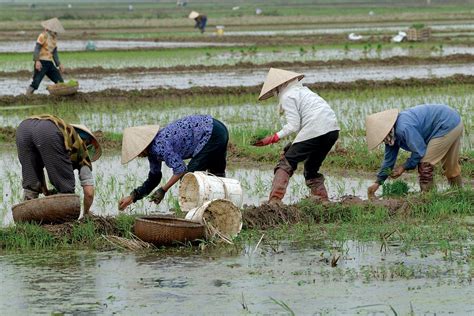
(85,10)
(210,56)
(366,62)
(442,220)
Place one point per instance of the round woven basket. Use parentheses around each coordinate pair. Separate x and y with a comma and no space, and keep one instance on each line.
(163,230)
(54,209)
(62,89)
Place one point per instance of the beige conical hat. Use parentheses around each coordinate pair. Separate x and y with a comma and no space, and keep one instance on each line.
(275,78)
(95,142)
(378,126)
(53,25)
(193,15)
(136,139)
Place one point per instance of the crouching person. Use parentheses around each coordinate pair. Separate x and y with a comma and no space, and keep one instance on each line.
(199,137)
(315,124)
(432,133)
(47,141)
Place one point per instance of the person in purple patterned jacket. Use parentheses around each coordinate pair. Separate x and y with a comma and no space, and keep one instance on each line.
(199,137)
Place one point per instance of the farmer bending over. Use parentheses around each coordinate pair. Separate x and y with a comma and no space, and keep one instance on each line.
(432,133)
(315,125)
(200,19)
(199,137)
(45,53)
(46,141)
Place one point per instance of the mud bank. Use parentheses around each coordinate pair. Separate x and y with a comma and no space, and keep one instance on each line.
(272,215)
(391,61)
(118,95)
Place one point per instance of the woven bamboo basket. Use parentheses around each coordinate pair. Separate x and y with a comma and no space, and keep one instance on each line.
(54,209)
(418,34)
(164,230)
(61,89)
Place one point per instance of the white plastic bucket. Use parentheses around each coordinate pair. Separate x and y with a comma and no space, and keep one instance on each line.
(197,188)
(221,214)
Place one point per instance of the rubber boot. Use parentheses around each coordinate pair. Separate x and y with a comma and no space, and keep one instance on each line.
(317,187)
(29,90)
(279,185)
(425,171)
(455,182)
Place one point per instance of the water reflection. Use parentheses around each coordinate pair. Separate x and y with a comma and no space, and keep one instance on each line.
(365,280)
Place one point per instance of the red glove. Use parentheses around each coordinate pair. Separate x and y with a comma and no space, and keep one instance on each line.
(267,140)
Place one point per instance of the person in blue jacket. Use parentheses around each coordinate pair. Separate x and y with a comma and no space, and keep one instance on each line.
(431,132)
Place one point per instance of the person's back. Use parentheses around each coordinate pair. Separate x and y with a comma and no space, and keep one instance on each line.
(431,120)
(316,116)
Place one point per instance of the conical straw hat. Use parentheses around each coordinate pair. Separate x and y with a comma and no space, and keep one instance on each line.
(193,15)
(276,77)
(136,139)
(378,126)
(53,25)
(95,142)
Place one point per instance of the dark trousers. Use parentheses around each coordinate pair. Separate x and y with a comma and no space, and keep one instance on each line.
(48,69)
(40,145)
(313,151)
(213,156)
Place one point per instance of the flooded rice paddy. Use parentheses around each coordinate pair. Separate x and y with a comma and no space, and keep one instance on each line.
(248,116)
(113,181)
(257,281)
(184,80)
(77,45)
(253,55)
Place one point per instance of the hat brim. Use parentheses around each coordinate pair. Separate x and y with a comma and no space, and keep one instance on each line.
(378,126)
(95,142)
(135,141)
(269,93)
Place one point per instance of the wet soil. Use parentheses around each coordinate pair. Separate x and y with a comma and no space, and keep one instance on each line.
(271,215)
(103,226)
(160,93)
(392,61)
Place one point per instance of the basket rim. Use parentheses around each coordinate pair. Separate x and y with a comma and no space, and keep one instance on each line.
(50,197)
(166,221)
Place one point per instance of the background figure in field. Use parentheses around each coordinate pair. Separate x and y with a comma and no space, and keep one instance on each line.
(46,141)
(45,55)
(200,19)
(432,133)
(312,119)
(199,137)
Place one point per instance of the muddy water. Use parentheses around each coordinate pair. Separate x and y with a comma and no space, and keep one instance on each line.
(184,80)
(113,181)
(74,45)
(366,281)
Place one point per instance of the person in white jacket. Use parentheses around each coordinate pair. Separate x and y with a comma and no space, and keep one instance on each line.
(312,120)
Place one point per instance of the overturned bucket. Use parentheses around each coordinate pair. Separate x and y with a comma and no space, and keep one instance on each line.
(221,217)
(199,187)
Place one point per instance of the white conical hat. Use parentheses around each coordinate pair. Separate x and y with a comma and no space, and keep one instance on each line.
(193,15)
(53,25)
(276,77)
(136,139)
(95,142)
(378,126)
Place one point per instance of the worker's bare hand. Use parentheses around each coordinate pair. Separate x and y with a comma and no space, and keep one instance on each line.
(371,191)
(124,202)
(38,65)
(61,68)
(397,172)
